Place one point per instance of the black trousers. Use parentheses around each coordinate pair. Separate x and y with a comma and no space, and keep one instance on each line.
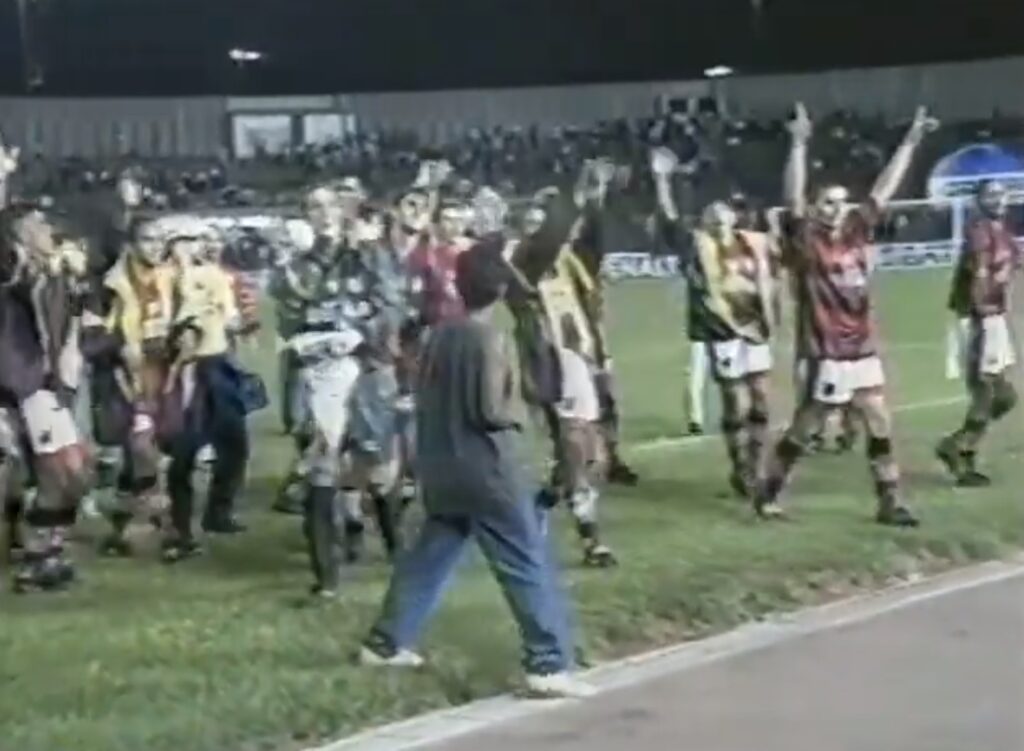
(216,417)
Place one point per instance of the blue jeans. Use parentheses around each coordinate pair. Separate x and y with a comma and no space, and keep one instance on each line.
(514,542)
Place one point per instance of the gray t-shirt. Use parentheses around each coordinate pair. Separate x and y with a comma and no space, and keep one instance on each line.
(469,420)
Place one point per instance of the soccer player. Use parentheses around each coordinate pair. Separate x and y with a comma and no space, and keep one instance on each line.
(335,292)
(323,213)
(678,238)
(591,241)
(8,166)
(583,452)
(981,294)
(829,253)
(40,361)
(131,326)
(737,303)
(433,264)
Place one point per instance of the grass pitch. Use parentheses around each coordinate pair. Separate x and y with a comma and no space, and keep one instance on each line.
(226,654)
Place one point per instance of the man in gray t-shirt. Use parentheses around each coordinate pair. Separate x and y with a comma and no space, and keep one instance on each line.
(469,419)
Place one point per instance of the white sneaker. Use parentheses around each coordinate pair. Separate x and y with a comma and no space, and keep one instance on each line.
(558,686)
(91,507)
(403,658)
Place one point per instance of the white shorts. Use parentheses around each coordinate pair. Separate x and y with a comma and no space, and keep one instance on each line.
(735,359)
(991,348)
(10,434)
(836,381)
(327,389)
(50,426)
(362,472)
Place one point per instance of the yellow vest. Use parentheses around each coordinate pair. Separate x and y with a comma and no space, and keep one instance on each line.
(560,291)
(207,297)
(144,303)
(709,256)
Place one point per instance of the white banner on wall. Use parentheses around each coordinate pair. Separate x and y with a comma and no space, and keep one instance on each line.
(260,134)
(321,128)
(911,256)
(618,266)
(895,257)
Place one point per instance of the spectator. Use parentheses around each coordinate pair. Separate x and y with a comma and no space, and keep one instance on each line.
(469,419)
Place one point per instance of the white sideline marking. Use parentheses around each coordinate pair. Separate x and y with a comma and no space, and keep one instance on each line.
(685,441)
(446,725)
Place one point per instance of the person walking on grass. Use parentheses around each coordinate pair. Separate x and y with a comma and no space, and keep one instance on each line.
(981,294)
(474,485)
(830,253)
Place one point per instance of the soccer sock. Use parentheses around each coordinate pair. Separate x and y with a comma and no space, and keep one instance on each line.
(1004,399)
(386,522)
(698,380)
(757,430)
(782,462)
(735,443)
(885,471)
(954,351)
(979,413)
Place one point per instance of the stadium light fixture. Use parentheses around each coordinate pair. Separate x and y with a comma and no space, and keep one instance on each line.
(718,71)
(245,56)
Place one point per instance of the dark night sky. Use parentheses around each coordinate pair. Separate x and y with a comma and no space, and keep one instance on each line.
(177,47)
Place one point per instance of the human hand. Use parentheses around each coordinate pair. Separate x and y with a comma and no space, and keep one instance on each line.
(800,127)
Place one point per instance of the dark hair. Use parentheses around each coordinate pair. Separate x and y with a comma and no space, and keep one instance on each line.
(135,225)
(409,192)
(987,183)
(482,275)
(447,204)
(10,217)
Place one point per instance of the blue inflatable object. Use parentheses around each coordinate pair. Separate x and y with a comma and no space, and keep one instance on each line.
(960,172)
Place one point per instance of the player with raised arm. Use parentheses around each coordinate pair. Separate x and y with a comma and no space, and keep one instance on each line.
(981,295)
(9,157)
(732,296)
(677,236)
(830,255)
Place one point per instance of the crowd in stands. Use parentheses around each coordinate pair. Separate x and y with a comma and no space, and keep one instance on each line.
(718,155)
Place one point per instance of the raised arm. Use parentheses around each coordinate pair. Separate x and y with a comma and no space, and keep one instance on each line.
(432,173)
(889,181)
(795,176)
(592,184)
(8,166)
(663,164)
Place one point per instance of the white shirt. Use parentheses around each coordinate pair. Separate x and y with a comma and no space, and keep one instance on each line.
(579,395)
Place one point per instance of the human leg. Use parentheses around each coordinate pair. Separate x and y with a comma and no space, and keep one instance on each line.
(64,477)
(787,452)
(696,383)
(871,405)
(418,582)
(512,540)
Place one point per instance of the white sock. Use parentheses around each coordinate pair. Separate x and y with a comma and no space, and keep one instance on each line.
(697,380)
(954,349)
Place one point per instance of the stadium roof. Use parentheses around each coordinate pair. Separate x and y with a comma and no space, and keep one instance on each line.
(181,47)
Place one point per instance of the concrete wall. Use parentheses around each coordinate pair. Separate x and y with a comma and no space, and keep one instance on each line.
(185,127)
(197,126)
